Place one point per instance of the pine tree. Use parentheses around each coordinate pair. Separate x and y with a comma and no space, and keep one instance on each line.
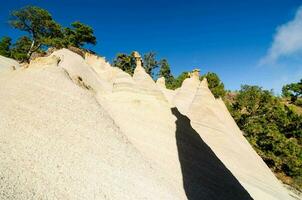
(150,63)
(38,23)
(5,44)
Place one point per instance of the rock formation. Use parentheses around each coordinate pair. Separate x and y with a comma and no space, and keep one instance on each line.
(144,82)
(185,95)
(77,128)
(169,94)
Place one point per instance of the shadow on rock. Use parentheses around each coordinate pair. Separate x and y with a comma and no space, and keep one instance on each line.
(204,175)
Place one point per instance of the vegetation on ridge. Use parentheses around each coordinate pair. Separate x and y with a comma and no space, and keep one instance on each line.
(215,84)
(42,32)
(293,91)
(127,63)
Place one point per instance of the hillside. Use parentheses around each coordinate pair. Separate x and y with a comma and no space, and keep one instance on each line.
(77,128)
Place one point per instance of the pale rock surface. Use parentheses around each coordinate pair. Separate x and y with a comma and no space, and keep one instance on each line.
(120,137)
(115,77)
(42,62)
(79,71)
(8,64)
(210,118)
(144,83)
(125,101)
(123,81)
(99,64)
(57,142)
(186,93)
(161,82)
(144,116)
(169,94)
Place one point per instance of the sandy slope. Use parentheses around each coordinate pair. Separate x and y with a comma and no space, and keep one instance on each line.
(7,64)
(57,142)
(77,128)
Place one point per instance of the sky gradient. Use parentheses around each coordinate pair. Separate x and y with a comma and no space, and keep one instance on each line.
(230,38)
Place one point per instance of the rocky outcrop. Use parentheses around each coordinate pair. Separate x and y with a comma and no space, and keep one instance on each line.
(169,94)
(186,93)
(73,127)
(161,82)
(41,62)
(144,83)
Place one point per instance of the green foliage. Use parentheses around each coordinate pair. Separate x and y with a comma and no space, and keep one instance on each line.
(298,102)
(294,91)
(79,34)
(215,84)
(165,72)
(5,44)
(20,48)
(43,32)
(171,82)
(125,62)
(38,23)
(177,82)
(273,129)
(150,63)
(16,51)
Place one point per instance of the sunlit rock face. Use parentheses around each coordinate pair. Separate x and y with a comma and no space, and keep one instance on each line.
(78,128)
(144,82)
(169,94)
(186,93)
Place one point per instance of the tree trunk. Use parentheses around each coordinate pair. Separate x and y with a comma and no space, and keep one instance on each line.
(30,51)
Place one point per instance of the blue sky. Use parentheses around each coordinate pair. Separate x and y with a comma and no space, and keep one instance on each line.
(239,40)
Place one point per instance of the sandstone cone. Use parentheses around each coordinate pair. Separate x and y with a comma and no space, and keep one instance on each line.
(186,93)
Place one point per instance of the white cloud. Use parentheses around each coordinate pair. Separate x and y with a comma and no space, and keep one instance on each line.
(287,40)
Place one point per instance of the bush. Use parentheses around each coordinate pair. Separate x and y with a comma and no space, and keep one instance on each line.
(215,84)
(273,129)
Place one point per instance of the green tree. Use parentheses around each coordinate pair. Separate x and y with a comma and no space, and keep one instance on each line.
(20,48)
(38,23)
(180,79)
(171,82)
(177,82)
(44,32)
(293,90)
(125,62)
(5,44)
(150,63)
(215,84)
(164,70)
(78,35)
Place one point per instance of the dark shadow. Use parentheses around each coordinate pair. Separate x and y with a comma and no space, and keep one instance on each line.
(204,175)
